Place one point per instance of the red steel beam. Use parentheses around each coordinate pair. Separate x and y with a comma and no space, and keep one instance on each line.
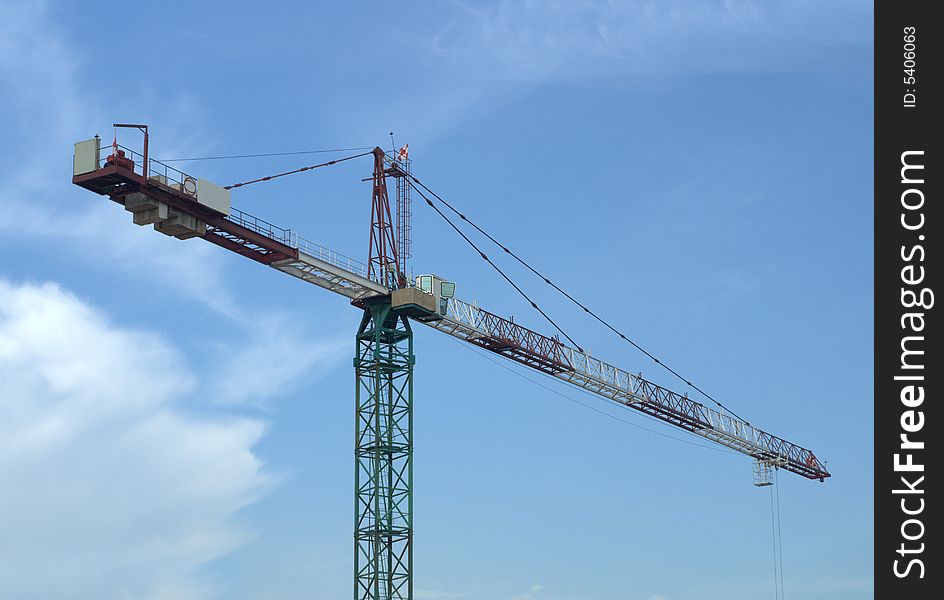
(117,181)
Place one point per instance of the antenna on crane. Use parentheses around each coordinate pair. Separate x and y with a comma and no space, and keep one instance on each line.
(401,168)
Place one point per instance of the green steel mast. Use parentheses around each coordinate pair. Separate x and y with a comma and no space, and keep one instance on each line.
(383,479)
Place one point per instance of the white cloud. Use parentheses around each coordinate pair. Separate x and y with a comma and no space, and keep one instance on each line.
(275,355)
(109,490)
(102,234)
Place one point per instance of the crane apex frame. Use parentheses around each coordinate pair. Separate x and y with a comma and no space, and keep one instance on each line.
(185,207)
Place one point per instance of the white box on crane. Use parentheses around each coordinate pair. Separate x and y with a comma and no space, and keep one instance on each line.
(213,196)
(86,157)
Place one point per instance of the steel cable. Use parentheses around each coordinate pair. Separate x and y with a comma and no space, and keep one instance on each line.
(773,535)
(594,396)
(309,168)
(167,160)
(500,272)
(779,531)
(575,301)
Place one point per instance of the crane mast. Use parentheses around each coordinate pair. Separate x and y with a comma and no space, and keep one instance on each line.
(184,206)
(383,399)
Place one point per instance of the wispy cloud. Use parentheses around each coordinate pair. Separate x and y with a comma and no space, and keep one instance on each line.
(102,235)
(275,355)
(478,56)
(605,42)
(39,74)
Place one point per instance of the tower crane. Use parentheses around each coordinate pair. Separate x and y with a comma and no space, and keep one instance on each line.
(184,206)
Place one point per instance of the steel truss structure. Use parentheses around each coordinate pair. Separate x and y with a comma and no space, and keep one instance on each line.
(383,480)
(482,328)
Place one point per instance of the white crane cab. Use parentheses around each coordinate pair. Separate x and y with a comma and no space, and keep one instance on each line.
(441,290)
(427,300)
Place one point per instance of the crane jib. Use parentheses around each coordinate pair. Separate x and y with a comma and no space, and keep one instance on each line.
(169,203)
(472,324)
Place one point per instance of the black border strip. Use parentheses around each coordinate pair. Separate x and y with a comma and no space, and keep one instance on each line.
(908,369)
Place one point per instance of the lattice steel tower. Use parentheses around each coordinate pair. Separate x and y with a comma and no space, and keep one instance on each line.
(383,480)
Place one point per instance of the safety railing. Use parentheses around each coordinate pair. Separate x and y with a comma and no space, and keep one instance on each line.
(157,172)
(167,175)
(107,154)
(293,240)
(327,255)
(260,226)
(163,174)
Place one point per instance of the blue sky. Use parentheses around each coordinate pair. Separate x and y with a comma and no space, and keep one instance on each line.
(176,422)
